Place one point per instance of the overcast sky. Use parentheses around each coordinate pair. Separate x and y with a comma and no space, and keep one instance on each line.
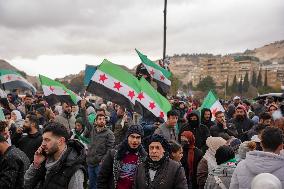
(58,37)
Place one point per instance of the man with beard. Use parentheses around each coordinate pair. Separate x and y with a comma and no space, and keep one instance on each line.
(28,105)
(4,131)
(66,118)
(264,119)
(101,141)
(242,123)
(119,165)
(221,127)
(31,140)
(158,170)
(232,107)
(58,162)
(200,131)
(13,164)
(206,116)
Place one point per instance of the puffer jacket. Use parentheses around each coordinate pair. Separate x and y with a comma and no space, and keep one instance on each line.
(220,176)
(257,162)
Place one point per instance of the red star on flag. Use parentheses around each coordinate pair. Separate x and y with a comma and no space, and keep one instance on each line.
(51,88)
(131,94)
(162,115)
(117,85)
(152,72)
(140,96)
(214,111)
(152,105)
(162,78)
(103,78)
(9,77)
(65,92)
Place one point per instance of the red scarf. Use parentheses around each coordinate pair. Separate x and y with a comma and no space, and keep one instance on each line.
(191,145)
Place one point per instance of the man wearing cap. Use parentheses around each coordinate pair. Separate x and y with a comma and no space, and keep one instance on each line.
(159,171)
(233,106)
(119,165)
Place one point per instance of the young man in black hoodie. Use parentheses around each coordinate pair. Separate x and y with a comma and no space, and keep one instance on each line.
(200,131)
(206,116)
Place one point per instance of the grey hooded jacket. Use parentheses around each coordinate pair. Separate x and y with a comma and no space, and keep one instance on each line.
(257,162)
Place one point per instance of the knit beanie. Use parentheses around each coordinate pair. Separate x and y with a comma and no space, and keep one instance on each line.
(235,143)
(157,138)
(267,181)
(214,143)
(137,129)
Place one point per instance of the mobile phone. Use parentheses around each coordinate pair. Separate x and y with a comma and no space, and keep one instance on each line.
(43,152)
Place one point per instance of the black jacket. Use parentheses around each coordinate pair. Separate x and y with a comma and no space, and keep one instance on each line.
(13,165)
(218,129)
(170,175)
(29,144)
(242,127)
(73,159)
(192,182)
(201,133)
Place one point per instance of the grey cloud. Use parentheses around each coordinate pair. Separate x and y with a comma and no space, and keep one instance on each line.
(97,27)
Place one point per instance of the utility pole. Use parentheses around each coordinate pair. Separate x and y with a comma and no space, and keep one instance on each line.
(165,29)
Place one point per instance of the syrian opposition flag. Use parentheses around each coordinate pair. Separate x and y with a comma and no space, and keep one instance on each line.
(55,92)
(113,83)
(212,102)
(13,80)
(160,75)
(89,72)
(150,103)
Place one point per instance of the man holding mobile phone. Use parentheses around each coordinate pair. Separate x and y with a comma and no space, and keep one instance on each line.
(58,162)
(221,126)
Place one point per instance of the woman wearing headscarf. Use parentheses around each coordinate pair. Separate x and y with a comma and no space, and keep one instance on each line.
(208,162)
(191,158)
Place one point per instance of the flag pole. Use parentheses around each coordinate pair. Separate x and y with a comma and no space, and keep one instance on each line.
(165,29)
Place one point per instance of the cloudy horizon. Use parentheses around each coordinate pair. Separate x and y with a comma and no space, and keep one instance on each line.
(57,38)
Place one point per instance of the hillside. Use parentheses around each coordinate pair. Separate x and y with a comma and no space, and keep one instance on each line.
(185,65)
(271,52)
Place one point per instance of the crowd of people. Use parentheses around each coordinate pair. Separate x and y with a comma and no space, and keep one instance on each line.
(98,144)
